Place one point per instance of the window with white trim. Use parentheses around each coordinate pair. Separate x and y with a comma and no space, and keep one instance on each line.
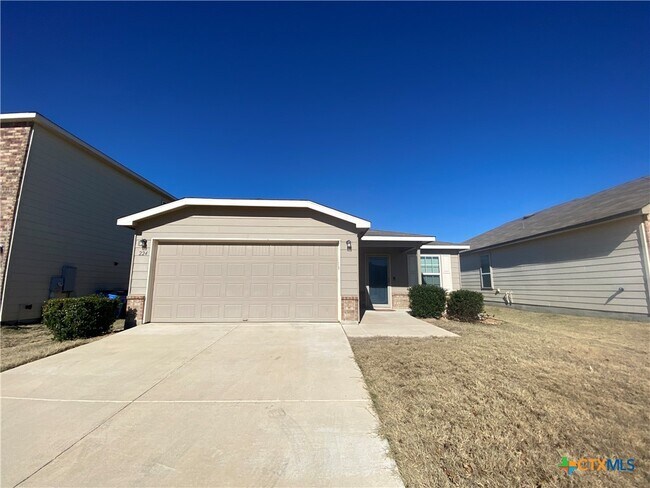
(430,268)
(486,272)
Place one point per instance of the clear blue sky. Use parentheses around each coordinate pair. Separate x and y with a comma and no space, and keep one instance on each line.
(436,118)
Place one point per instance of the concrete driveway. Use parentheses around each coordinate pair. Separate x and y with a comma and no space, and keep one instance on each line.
(195,405)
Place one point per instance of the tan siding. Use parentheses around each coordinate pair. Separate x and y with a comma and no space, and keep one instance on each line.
(455,271)
(68,210)
(234,223)
(581,269)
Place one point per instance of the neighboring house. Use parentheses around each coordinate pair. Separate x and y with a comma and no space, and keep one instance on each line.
(59,200)
(230,260)
(587,256)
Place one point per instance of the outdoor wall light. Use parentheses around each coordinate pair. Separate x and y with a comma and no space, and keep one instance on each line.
(348,243)
(143,243)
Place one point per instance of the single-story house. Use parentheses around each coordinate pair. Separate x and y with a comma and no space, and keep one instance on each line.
(232,260)
(59,199)
(587,256)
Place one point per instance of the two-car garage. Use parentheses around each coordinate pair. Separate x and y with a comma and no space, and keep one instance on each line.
(233,282)
(244,261)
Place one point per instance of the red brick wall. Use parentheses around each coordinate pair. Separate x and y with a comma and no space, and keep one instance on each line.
(14,139)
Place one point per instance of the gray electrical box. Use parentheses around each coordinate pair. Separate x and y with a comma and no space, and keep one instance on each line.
(69,274)
(56,285)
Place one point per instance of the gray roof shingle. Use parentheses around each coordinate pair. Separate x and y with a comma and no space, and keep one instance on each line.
(618,201)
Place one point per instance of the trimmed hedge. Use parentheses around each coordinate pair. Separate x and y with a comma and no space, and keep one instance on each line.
(82,317)
(465,305)
(427,301)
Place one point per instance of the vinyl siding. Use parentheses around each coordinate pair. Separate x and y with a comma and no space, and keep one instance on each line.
(246,224)
(69,205)
(582,269)
(455,271)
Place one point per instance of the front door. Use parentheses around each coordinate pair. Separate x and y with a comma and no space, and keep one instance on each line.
(378,280)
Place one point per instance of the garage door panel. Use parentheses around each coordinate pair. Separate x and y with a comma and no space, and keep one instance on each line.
(281,250)
(166,269)
(325,310)
(186,290)
(245,282)
(236,269)
(282,269)
(258,312)
(235,290)
(304,290)
(211,290)
(233,312)
(327,290)
(190,250)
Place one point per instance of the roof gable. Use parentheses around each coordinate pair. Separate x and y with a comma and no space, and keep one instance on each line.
(130,220)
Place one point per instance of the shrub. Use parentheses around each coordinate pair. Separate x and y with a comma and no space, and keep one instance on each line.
(73,318)
(427,301)
(465,305)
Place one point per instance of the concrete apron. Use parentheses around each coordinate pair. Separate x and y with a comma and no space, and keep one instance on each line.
(195,405)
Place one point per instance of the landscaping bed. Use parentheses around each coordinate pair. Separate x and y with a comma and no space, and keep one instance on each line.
(504,402)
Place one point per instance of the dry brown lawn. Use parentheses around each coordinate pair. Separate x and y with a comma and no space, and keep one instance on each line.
(26,343)
(502,404)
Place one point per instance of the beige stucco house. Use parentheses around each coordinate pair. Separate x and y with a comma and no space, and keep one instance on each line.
(59,198)
(587,256)
(231,260)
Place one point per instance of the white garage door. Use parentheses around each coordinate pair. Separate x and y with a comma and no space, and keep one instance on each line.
(245,282)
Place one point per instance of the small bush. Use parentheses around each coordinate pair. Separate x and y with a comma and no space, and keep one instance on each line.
(82,317)
(465,305)
(427,301)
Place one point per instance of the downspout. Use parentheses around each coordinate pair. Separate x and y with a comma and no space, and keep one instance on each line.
(417,257)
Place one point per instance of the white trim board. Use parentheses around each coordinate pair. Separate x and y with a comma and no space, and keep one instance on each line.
(444,246)
(130,220)
(399,238)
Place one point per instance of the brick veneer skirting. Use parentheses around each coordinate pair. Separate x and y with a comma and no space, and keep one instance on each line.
(400,301)
(349,309)
(134,310)
(14,139)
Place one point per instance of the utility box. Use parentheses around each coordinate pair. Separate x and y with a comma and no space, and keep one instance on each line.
(69,274)
(56,285)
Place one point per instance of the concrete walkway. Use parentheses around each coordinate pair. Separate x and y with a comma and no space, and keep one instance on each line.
(195,405)
(394,323)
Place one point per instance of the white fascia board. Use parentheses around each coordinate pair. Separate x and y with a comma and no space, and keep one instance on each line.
(444,246)
(399,238)
(48,124)
(129,220)
(19,117)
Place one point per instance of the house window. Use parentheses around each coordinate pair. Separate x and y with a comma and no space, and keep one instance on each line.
(430,267)
(486,272)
